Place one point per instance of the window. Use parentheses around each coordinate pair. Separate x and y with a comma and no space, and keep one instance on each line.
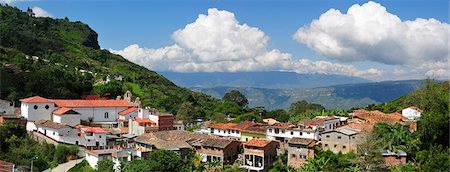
(106,115)
(270,130)
(343,147)
(326,145)
(293,155)
(246,139)
(10,103)
(292,133)
(54,133)
(353,137)
(46,106)
(339,137)
(100,136)
(301,133)
(328,136)
(282,131)
(35,107)
(335,145)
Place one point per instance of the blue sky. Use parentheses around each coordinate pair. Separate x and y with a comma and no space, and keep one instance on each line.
(151,24)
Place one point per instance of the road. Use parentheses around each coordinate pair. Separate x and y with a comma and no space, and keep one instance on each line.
(65,166)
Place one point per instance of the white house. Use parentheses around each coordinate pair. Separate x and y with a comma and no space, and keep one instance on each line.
(412,113)
(321,123)
(93,137)
(6,107)
(103,112)
(232,130)
(66,116)
(285,131)
(59,132)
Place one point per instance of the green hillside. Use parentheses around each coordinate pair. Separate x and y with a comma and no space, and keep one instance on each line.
(57,58)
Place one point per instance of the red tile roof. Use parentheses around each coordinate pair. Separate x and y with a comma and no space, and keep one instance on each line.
(94,130)
(64,110)
(127,111)
(316,121)
(258,143)
(243,125)
(376,116)
(223,126)
(35,99)
(146,120)
(92,103)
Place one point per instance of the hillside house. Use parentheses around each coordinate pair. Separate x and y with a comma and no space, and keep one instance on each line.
(394,158)
(299,150)
(259,154)
(412,113)
(343,140)
(217,149)
(285,131)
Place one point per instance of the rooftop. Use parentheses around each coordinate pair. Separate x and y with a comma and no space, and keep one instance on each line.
(261,143)
(92,103)
(50,124)
(316,121)
(243,125)
(302,141)
(386,152)
(64,110)
(35,99)
(93,130)
(378,116)
(282,125)
(127,111)
(144,120)
(216,142)
(223,126)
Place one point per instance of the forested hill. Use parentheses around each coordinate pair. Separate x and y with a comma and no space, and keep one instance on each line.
(57,58)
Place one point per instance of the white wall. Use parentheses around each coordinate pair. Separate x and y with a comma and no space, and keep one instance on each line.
(154,118)
(68,119)
(98,113)
(28,111)
(143,113)
(225,133)
(6,107)
(410,113)
(271,135)
(31,126)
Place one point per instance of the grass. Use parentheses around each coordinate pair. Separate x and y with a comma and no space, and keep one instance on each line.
(83,166)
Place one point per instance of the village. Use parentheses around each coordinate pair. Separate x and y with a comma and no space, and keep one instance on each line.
(122,130)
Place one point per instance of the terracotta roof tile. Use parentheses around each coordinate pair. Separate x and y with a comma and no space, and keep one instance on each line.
(50,124)
(378,116)
(127,111)
(316,121)
(302,141)
(64,110)
(93,129)
(243,125)
(144,120)
(223,126)
(35,99)
(217,142)
(282,125)
(258,143)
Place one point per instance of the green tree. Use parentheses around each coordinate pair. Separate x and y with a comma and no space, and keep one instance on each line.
(228,108)
(369,151)
(278,114)
(237,97)
(300,107)
(186,112)
(164,160)
(105,165)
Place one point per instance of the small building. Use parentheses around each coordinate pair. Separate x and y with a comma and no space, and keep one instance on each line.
(270,121)
(66,116)
(138,126)
(12,118)
(93,137)
(412,113)
(217,149)
(224,130)
(285,131)
(394,158)
(299,150)
(59,132)
(253,132)
(6,107)
(343,140)
(93,156)
(179,125)
(321,123)
(259,154)
(163,121)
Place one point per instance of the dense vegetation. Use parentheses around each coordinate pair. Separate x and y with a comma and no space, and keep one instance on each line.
(57,58)
(17,147)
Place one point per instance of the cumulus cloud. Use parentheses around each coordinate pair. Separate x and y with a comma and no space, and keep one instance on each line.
(369,32)
(217,42)
(39,12)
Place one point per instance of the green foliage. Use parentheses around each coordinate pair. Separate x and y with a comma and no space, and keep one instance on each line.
(436,158)
(237,97)
(329,161)
(251,116)
(186,112)
(397,137)
(278,114)
(158,160)
(82,166)
(228,108)
(105,165)
(302,106)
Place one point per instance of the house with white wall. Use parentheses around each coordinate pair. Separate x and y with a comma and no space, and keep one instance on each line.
(285,131)
(66,116)
(412,113)
(6,107)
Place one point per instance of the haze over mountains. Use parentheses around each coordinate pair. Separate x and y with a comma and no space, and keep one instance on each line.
(340,96)
(273,80)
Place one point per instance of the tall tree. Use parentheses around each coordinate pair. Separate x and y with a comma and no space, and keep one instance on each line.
(105,165)
(237,97)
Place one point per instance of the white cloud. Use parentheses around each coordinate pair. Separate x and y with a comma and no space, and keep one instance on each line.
(369,32)
(39,12)
(217,42)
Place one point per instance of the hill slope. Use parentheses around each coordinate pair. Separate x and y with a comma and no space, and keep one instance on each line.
(56,58)
(339,96)
(274,80)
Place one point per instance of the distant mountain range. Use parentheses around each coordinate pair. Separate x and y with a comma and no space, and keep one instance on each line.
(273,80)
(338,96)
